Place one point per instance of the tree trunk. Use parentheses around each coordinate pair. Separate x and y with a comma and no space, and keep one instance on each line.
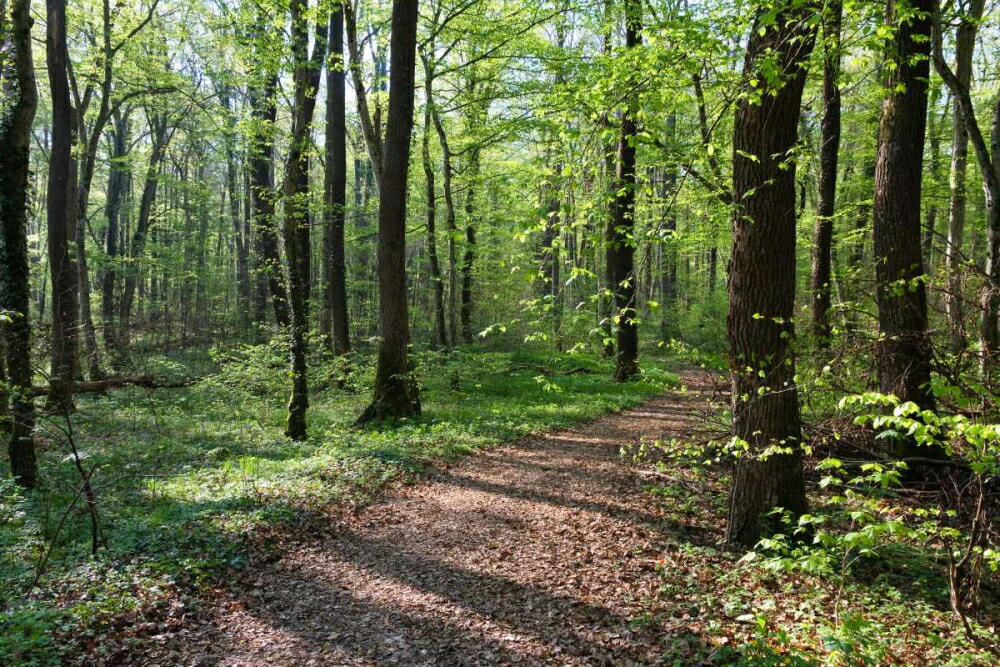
(934,139)
(117,182)
(86,169)
(296,191)
(620,239)
(335,188)
(822,274)
(61,210)
(395,389)
(668,243)
(988,157)
(241,243)
(965,43)
(469,256)
(605,296)
(262,196)
(437,281)
(550,255)
(158,132)
(20,102)
(451,227)
(762,280)
(902,352)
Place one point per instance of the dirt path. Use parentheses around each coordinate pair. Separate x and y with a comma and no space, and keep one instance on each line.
(538,552)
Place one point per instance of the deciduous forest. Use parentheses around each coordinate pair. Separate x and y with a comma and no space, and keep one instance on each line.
(489,332)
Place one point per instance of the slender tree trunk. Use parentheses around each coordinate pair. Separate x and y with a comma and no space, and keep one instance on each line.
(469,256)
(668,246)
(201,248)
(242,251)
(605,295)
(20,100)
(336,188)
(61,210)
(762,280)
(262,196)
(620,241)
(158,130)
(965,43)
(117,181)
(668,239)
(296,190)
(934,139)
(437,281)
(451,227)
(550,255)
(395,389)
(988,157)
(822,274)
(91,351)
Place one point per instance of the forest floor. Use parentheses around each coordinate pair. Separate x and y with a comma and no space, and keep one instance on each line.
(543,551)
(515,522)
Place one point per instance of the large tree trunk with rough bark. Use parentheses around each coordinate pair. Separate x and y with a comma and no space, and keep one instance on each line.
(396,392)
(768,472)
(902,352)
(20,102)
(822,261)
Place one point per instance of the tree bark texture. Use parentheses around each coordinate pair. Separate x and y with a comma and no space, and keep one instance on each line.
(20,102)
(902,352)
(768,473)
(296,199)
(61,212)
(396,393)
(336,188)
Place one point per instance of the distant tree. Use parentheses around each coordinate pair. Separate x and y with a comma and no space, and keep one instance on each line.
(440,334)
(829,151)
(988,157)
(961,79)
(264,111)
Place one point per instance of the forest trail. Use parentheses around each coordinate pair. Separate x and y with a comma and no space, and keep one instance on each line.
(537,552)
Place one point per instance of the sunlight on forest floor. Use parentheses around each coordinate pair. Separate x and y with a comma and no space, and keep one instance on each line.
(190,479)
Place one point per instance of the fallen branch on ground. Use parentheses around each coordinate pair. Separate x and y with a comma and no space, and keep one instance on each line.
(101,386)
